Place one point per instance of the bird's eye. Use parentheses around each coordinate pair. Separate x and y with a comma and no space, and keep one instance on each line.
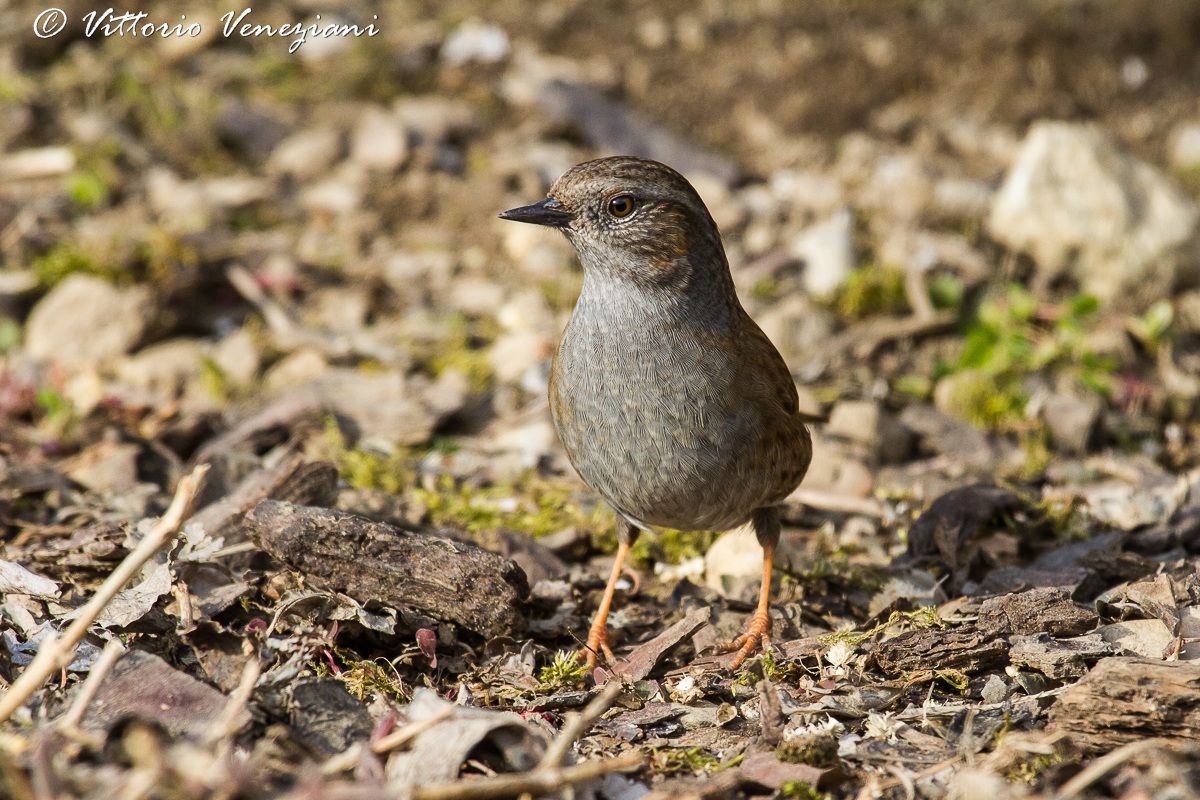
(622,206)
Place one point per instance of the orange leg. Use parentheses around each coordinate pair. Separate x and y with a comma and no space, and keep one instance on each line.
(766,525)
(597,641)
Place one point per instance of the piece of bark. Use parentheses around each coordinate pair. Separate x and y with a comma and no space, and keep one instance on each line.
(143,686)
(326,717)
(1060,659)
(644,657)
(293,480)
(368,560)
(1123,699)
(943,531)
(964,648)
(1048,610)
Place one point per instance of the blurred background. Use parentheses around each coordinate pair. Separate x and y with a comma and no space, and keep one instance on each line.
(970,228)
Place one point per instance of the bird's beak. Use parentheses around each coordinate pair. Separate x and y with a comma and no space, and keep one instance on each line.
(547,212)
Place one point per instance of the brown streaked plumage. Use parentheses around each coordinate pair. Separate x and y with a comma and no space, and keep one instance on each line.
(671,403)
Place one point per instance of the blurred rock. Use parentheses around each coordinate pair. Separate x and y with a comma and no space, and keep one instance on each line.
(612,127)
(295,368)
(962,198)
(899,186)
(733,565)
(237,357)
(475,41)
(254,130)
(431,120)
(1183,149)
(873,429)
(379,141)
(476,296)
(86,320)
(827,250)
(1077,203)
(922,250)
(307,153)
(40,162)
(797,328)
(1072,420)
(162,369)
(809,190)
(107,467)
(338,195)
(512,354)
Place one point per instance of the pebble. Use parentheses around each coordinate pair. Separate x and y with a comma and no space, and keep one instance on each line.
(86,320)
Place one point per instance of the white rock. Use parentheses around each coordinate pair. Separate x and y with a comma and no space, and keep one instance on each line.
(1076,202)
(237,357)
(1184,146)
(513,354)
(337,196)
(378,141)
(476,296)
(306,153)
(41,162)
(474,40)
(734,563)
(827,250)
(85,320)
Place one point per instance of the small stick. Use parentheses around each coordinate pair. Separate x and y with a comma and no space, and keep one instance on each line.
(539,781)
(1106,764)
(226,725)
(411,731)
(87,691)
(55,653)
(577,724)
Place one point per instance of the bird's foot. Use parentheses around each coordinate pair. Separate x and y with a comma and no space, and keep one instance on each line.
(754,637)
(597,644)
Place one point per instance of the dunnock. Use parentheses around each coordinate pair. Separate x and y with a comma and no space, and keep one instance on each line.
(670,401)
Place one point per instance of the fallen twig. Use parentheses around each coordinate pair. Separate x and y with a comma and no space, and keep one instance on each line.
(549,775)
(539,781)
(1107,763)
(69,722)
(55,652)
(410,731)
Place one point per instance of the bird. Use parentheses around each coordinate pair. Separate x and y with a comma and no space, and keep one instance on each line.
(669,400)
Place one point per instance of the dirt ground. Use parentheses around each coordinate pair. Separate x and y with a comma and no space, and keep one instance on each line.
(282,511)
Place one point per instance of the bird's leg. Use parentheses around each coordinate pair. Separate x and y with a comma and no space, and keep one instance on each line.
(597,641)
(766,526)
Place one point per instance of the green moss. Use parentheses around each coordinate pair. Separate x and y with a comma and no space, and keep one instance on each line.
(1012,336)
(1028,770)
(564,671)
(801,791)
(926,617)
(870,290)
(817,750)
(213,380)
(680,761)
(364,678)
(10,334)
(765,288)
(61,261)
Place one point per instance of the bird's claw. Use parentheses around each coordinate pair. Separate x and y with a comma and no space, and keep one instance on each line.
(597,644)
(754,637)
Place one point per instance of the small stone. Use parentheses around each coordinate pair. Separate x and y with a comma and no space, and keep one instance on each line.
(1072,420)
(866,424)
(512,354)
(338,196)
(476,296)
(85,320)
(162,369)
(379,141)
(733,565)
(296,368)
(1078,203)
(1184,146)
(237,357)
(995,690)
(827,250)
(306,154)
(475,41)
